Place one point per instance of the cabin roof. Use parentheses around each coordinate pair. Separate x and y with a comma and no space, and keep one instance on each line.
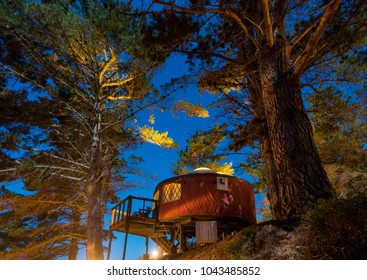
(200,171)
(203,170)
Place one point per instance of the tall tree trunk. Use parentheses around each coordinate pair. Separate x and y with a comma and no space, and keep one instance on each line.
(262,131)
(295,176)
(94,227)
(74,242)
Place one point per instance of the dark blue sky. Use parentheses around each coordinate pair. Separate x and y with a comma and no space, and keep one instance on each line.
(158,161)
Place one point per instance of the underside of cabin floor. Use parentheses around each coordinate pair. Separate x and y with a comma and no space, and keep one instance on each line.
(140,226)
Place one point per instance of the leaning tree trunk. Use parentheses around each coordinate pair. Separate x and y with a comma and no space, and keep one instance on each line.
(293,170)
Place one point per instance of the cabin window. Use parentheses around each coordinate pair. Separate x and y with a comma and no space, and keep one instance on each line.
(222,183)
(171,192)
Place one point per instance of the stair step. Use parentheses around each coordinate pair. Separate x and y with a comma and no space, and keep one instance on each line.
(163,243)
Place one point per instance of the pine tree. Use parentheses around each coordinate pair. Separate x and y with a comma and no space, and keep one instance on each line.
(42,224)
(88,61)
(263,50)
(202,151)
(340,125)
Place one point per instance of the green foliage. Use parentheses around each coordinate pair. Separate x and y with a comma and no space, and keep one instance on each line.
(242,52)
(240,246)
(191,109)
(267,240)
(253,166)
(337,228)
(201,151)
(26,165)
(340,127)
(89,62)
(36,227)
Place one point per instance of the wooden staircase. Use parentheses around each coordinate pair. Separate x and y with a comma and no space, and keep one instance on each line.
(138,221)
(163,243)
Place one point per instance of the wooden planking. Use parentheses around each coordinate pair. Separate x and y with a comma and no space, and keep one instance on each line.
(137,226)
(206,231)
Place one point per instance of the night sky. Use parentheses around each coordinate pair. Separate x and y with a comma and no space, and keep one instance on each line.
(158,161)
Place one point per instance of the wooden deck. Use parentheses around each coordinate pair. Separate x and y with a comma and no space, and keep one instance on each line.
(139,216)
(141,226)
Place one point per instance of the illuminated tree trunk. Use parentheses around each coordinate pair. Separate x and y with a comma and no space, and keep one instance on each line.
(75,223)
(94,227)
(293,170)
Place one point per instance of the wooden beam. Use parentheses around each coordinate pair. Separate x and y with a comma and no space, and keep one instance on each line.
(125,242)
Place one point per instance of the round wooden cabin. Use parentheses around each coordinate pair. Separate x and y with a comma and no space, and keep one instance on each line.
(205,195)
(202,204)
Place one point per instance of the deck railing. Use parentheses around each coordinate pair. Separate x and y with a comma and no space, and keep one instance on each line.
(134,206)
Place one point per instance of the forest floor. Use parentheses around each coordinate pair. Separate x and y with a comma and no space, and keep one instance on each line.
(333,229)
(267,240)
(339,236)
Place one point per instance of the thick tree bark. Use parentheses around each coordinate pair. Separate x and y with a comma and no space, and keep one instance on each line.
(94,227)
(262,133)
(293,170)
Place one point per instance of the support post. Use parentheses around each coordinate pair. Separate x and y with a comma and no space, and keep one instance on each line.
(182,238)
(125,245)
(146,245)
(127,226)
(146,255)
(110,236)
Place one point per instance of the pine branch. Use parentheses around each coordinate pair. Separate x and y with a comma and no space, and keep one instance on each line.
(59,168)
(63,159)
(300,36)
(79,153)
(84,122)
(105,67)
(7,170)
(135,112)
(339,35)
(67,177)
(308,52)
(62,203)
(209,54)
(224,12)
(268,25)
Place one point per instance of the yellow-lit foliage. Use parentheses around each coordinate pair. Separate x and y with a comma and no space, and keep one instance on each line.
(151,119)
(155,137)
(191,109)
(225,168)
